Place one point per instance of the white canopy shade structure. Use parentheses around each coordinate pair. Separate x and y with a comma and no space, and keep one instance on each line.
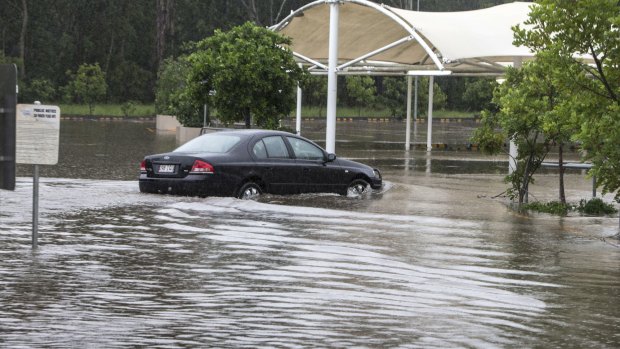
(340,37)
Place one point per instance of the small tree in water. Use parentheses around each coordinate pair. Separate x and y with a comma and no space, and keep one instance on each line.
(532,114)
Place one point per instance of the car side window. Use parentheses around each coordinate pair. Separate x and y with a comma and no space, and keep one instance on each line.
(259,150)
(305,150)
(275,147)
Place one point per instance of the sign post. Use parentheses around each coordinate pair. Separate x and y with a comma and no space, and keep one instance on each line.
(8,99)
(37,140)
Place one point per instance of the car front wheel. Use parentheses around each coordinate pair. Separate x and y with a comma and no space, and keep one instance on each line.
(357,188)
(249,191)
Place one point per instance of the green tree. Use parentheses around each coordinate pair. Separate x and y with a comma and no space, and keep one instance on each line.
(439,97)
(314,89)
(38,90)
(478,94)
(394,95)
(531,107)
(361,90)
(251,71)
(562,32)
(88,85)
(170,80)
(129,81)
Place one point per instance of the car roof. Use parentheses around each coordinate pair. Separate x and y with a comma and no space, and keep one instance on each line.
(252,132)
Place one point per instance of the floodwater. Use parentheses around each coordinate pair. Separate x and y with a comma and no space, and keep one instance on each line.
(434,260)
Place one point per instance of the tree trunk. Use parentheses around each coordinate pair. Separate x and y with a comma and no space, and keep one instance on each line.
(524,182)
(247,118)
(22,39)
(250,6)
(164,26)
(106,67)
(561,165)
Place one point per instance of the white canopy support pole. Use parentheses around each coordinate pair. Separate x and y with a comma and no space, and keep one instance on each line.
(408,128)
(513,152)
(376,52)
(332,77)
(429,134)
(310,60)
(298,116)
(415,100)
(512,157)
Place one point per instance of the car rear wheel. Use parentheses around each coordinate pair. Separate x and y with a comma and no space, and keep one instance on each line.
(249,191)
(357,188)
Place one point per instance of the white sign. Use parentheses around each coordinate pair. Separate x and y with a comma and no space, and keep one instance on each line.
(37,134)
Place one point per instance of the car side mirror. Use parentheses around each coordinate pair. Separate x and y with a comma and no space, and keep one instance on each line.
(331,157)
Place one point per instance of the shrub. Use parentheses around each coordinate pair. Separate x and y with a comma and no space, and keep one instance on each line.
(595,207)
(552,207)
(38,90)
(128,108)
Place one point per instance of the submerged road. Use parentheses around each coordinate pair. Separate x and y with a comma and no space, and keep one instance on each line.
(432,261)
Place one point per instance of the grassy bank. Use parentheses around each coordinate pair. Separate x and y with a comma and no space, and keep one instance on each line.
(142,110)
(109,110)
(348,112)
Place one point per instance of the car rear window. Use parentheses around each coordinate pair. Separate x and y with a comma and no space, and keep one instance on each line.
(209,143)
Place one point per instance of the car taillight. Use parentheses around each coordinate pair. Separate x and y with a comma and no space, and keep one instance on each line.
(201,167)
(143,166)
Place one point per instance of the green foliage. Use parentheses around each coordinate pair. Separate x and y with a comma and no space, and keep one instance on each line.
(129,81)
(170,82)
(314,89)
(128,108)
(251,72)
(552,207)
(489,137)
(38,90)
(361,90)
(478,94)
(88,85)
(188,111)
(594,88)
(394,96)
(439,97)
(595,207)
(109,110)
(532,114)
(592,207)
(63,34)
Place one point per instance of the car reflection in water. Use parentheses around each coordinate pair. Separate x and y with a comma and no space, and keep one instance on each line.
(247,163)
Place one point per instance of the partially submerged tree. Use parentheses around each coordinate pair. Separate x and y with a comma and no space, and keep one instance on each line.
(530,114)
(245,72)
(562,32)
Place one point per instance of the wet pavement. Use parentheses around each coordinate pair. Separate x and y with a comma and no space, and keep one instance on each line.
(434,260)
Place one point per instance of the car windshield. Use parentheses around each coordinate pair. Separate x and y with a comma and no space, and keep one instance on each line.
(209,143)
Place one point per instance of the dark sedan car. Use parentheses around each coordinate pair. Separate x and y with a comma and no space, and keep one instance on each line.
(246,163)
